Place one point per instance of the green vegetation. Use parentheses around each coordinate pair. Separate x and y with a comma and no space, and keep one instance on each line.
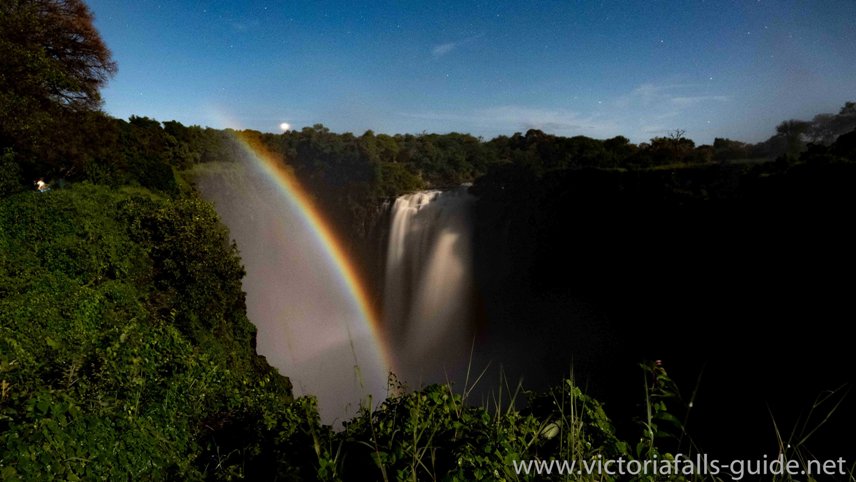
(125,353)
(124,346)
(125,350)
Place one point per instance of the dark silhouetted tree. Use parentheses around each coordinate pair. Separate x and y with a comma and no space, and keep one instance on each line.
(825,128)
(52,65)
(620,148)
(792,132)
(668,150)
(727,149)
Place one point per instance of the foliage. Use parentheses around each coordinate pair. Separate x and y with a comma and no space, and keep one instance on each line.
(10,174)
(53,63)
(432,433)
(54,53)
(436,434)
(125,351)
(110,368)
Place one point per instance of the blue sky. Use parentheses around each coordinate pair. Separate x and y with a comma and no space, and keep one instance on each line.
(639,69)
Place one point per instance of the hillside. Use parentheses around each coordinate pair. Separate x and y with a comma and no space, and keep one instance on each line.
(125,351)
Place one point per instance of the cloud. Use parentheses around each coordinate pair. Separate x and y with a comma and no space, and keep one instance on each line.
(443,49)
(655,109)
(525,118)
(507,119)
(677,95)
(645,93)
(690,101)
(645,111)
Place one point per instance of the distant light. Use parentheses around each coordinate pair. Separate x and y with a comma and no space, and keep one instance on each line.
(285,126)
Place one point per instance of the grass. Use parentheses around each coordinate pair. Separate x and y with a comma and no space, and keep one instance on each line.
(437,433)
(105,372)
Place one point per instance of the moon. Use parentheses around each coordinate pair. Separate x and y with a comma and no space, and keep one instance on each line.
(285,126)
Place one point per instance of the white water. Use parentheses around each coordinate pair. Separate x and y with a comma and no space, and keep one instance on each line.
(429,284)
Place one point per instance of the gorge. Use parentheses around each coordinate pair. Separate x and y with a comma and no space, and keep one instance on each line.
(583,271)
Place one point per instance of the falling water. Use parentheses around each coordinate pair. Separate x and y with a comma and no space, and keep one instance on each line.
(429,283)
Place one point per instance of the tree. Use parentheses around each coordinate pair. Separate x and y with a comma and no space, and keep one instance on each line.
(53,63)
(10,175)
(671,149)
(726,149)
(825,128)
(792,132)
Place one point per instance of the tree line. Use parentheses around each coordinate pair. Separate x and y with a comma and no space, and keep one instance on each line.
(125,351)
(54,64)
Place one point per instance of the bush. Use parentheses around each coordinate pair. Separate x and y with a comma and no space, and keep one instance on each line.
(11,178)
(103,373)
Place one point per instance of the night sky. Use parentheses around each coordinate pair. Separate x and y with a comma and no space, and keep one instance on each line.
(640,69)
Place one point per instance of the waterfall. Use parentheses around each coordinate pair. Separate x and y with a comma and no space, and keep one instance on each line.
(429,280)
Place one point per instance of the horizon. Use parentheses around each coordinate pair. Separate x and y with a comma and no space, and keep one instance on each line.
(592,69)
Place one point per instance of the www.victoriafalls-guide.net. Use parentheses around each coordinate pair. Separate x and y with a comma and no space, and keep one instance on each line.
(700,464)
